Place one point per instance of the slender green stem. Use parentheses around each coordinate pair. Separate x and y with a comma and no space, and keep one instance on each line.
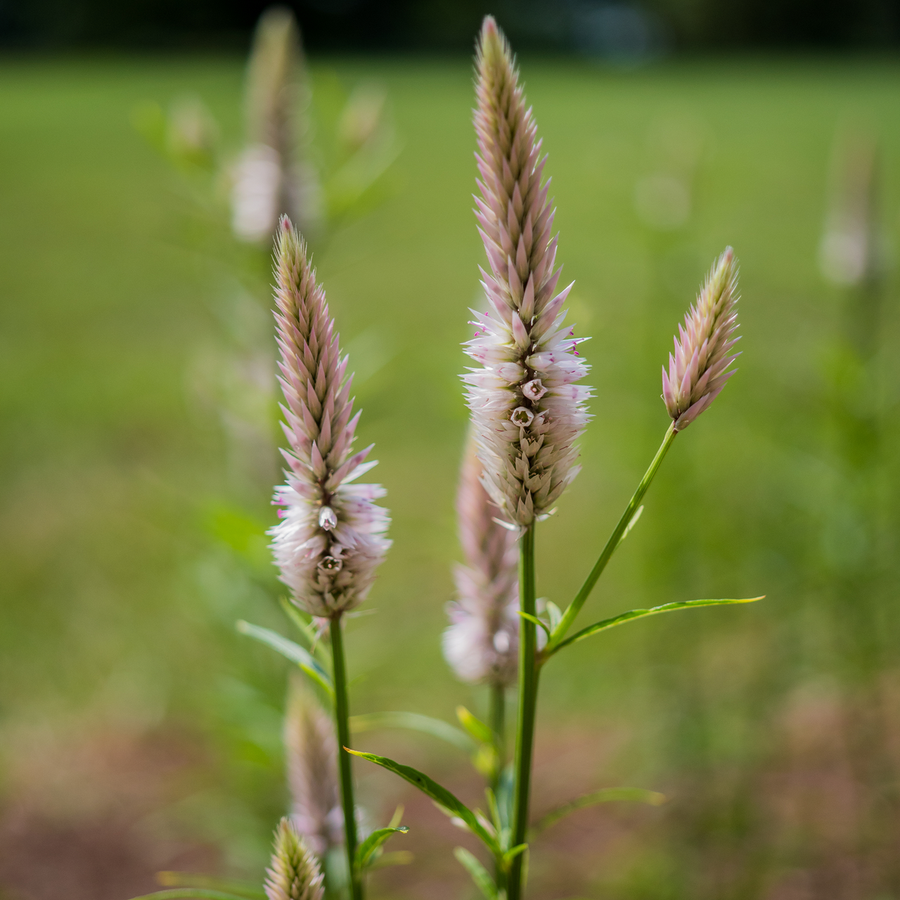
(575,606)
(342,724)
(528,686)
(498,726)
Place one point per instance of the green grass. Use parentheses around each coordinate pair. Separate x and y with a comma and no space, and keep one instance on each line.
(114,607)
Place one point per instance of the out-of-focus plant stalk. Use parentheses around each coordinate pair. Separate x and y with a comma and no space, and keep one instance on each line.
(528,689)
(498,726)
(342,725)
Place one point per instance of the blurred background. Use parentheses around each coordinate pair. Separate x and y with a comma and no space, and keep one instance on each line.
(140,174)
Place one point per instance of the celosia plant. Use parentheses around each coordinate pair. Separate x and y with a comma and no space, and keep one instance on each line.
(527,413)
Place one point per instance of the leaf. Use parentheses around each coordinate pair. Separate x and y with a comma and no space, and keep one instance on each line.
(414,722)
(605,795)
(481,732)
(187,893)
(307,629)
(512,853)
(536,621)
(287,648)
(642,613)
(192,880)
(554,614)
(631,524)
(480,875)
(370,846)
(439,794)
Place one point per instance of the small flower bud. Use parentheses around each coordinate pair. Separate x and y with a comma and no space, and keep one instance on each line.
(294,872)
(534,390)
(698,367)
(522,416)
(327,518)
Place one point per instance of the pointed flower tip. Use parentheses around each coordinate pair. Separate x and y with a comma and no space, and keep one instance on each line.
(492,42)
(294,872)
(700,366)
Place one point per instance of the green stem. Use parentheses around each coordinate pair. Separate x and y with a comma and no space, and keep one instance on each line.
(498,726)
(575,606)
(528,686)
(342,724)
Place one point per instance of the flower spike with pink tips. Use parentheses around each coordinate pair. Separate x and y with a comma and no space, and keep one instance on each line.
(699,369)
(527,410)
(331,538)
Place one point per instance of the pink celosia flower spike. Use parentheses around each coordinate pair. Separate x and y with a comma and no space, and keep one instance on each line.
(526,409)
(482,642)
(698,369)
(332,535)
(294,873)
(312,771)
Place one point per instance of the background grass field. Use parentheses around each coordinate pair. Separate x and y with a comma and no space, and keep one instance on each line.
(132,712)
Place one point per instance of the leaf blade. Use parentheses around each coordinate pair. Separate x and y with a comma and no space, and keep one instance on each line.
(367,849)
(477,871)
(604,795)
(414,722)
(632,614)
(477,729)
(290,650)
(436,792)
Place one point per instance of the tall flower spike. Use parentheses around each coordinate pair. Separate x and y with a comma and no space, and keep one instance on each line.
(310,744)
(526,409)
(271,176)
(698,369)
(332,535)
(482,641)
(294,873)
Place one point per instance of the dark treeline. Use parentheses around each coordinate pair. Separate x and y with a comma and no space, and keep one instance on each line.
(611,29)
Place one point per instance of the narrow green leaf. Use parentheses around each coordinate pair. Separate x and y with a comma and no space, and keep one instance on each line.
(192,880)
(480,875)
(478,729)
(306,628)
(536,621)
(631,524)
(287,648)
(554,614)
(439,794)
(605,795)
(367,849)
(643,613)
(414,722)
(188,893)
(513,852)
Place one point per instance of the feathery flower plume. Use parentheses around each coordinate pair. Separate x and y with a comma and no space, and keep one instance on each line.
(526,409)
(332,535)
(312,771)
(482,641)
(294,872)
(697,371)
(270,178)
